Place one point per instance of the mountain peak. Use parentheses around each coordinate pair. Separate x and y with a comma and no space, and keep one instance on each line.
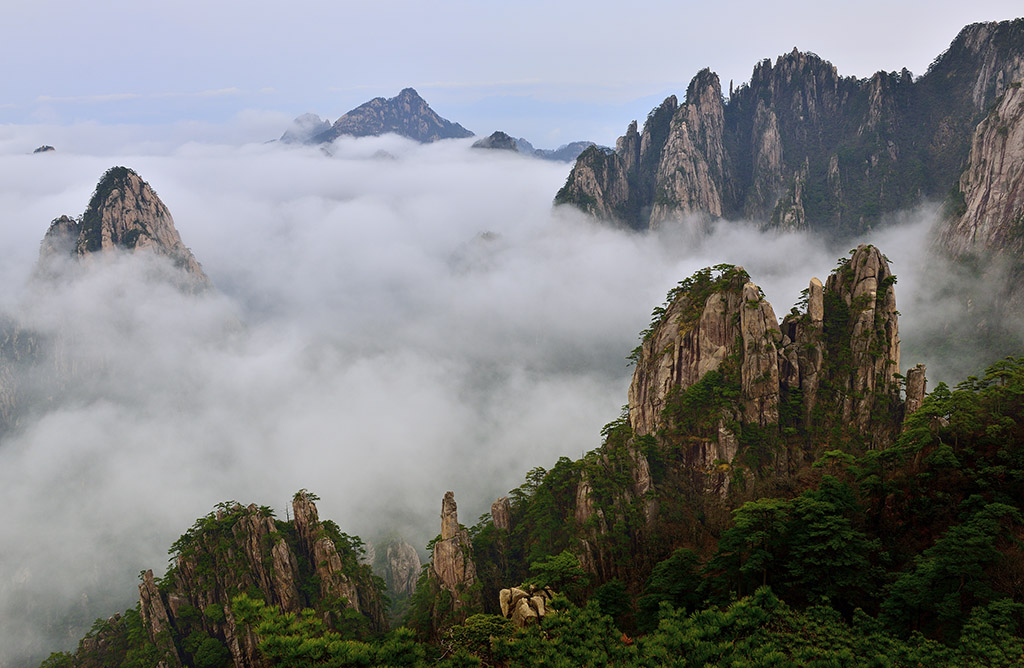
(407,114)
(124,212)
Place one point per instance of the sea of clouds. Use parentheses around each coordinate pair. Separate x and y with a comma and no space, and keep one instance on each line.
(389,321)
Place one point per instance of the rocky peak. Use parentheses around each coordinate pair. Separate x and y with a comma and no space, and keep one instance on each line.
(452,568)
(407,114)
(861,316)
(801,146)
(715,369)
(124,213)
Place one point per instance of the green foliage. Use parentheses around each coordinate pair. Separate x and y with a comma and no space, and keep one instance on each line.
(59,660)
(290,639)
(953,576)
(676,581)
(478,636)
(561,572)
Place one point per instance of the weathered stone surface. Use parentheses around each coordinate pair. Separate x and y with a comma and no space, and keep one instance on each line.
(452,566)
(992,216)
(916,387)
(683,348)
(525,606)
(689,173)
(501,514)
(868,383)
(402,569)
(329,565)
(124,213)
(800,146)
(154,615)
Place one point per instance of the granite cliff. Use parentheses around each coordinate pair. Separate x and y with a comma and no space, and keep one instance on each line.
(800,146)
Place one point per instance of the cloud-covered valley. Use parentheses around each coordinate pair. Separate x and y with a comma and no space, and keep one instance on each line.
(389,322)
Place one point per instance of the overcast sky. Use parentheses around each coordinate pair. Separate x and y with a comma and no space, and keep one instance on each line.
(552,72)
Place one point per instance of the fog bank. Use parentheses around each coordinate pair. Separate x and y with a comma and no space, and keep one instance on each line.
(390,322)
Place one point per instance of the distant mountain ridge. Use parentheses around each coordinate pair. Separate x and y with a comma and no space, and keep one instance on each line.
(407,114)
(802,147)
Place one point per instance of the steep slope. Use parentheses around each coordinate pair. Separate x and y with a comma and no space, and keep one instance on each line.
(406,114)
(800,146)
(989,214)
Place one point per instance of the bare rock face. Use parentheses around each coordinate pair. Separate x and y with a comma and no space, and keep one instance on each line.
(525,606)
(991,217)
(916,386)
(803,349)
(452,565)
(402,567)
(715,371)
(501,514)
(802,147)
(690,171)
(123,213)
(600,185)
(697,333)
(864,370)
(332,566)
(155,617)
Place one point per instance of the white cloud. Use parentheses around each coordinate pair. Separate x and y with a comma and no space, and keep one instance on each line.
(391,322)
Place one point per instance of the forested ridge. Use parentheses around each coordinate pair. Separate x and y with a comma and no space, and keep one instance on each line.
(910,555)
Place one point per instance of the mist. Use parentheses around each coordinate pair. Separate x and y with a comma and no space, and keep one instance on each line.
(388,322)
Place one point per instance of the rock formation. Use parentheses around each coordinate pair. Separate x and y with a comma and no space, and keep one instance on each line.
(124,213)
(800,146)
(400,565)
(406,114)
(916,387)
(452,565)
(525,606)
(501,514)
(329,563)
(716,371)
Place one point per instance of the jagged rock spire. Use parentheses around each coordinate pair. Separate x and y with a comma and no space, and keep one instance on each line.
(452,567)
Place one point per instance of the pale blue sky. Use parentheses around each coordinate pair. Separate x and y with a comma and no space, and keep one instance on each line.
(552,72)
